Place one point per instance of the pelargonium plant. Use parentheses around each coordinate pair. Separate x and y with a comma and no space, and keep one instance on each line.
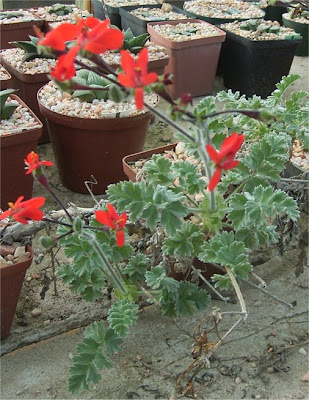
(217,214)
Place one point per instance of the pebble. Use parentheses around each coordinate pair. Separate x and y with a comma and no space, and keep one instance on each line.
(238,380)
(46,322)
(148,14)
(10,257)
(302,351)
(270,370)
(122,3)
(27,16)
(3,262)
(4,75)
(36,312)
(6,250)
(29,279)
(43,12)
(22,257)
(19,251)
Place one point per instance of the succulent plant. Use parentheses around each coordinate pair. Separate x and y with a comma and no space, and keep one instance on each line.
(60,9)
(7,108)
(255,26)
(134,43)
(31,49)
(90,78)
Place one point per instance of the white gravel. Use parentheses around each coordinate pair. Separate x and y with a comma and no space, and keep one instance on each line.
(27,16)
(301,20)
(150,14)
(182,31)
(20,120)
(35,66)
(122,3)
(63,103)
(223,9)
(43,13)
(4,75)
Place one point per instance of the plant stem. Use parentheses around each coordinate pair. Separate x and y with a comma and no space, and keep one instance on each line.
(238,292)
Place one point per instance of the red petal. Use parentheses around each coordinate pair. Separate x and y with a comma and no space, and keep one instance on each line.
(230,165)
(215,179)
(213,154)
(47,163)
(231,144)
(142,61)
(112,212)
(36,202)
(127,63)
(150,78)
(126,80)
(120,238)
(5,214)
(31,213)
(104,218)
(139,98)
(91,22)
(110,39)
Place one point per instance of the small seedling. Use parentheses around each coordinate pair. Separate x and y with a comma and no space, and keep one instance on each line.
(7,108)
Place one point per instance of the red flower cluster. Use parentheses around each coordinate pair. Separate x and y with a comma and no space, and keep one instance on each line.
(33,162)
(22,211)
(114,221)
(224,159)
(90,34)
(136,75)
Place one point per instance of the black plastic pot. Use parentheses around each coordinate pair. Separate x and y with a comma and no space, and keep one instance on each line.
(274,13)
(254,67)
(303,29)
(139,26)
(16,4)
(98,11)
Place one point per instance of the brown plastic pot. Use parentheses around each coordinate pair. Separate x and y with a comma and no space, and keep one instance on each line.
(14,149)
(28,86)
(193,63)
(93,147)
(132,158)
(17,31)
(11,279)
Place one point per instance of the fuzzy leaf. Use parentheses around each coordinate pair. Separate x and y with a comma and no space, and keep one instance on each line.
(190,299)
(212,220)
(136,267)
(155,276)
(189,177)
(159,170)
(276,97)
(185,243)
(122,315)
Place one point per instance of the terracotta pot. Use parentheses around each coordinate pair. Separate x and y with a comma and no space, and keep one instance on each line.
(11,279)
(132,158)
(256,66)
(193,63)
(93,147)
(28,86)
(17,31)
(14,149)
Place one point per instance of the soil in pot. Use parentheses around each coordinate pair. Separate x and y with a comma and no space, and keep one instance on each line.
(5,79)
(193,48)
(255,61)
(90,139)
(19,136)
(28,77)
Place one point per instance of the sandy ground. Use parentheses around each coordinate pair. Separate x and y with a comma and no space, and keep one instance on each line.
(264,358)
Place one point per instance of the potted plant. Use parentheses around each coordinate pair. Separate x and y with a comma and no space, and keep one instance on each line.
(83,128)
(17,25)
(5,78)
(158,57)
(136,17)
(247,45)
(29,71)
(20,132)
(298,19)
(218,214)
(193,42)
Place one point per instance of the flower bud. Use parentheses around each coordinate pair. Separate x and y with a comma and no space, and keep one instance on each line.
(78,224)
(46,242)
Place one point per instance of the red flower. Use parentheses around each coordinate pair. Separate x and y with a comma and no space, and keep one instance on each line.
(97,36)
(65,32)
(65,68)
(33,162)
(136,75)
(113,221)
(22,211)
(224,159)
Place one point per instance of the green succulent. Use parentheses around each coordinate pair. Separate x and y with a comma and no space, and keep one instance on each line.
(10,14)
(31,49)
(6,109)
(134,43)
(60,9)
(91,79)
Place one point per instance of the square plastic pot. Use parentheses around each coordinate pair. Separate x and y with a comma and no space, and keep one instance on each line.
(255,67)
(14,149)
(193,63)
(28,86)
(17,31)
(137,25)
